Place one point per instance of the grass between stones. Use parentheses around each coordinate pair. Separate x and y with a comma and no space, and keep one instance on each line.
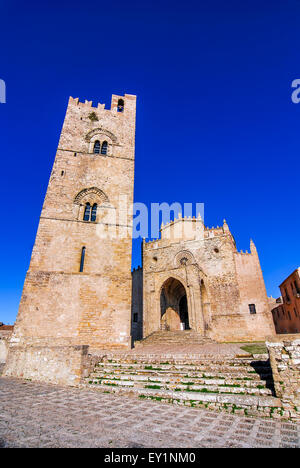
(154,387)
(255,348)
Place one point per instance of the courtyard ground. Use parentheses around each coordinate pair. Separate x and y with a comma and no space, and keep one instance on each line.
(42,415)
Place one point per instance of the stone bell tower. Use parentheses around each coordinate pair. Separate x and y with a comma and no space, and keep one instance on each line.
(78,287)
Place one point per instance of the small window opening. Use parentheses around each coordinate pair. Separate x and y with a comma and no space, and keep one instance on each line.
(82,259)
(62,173)
(87,212)
(97,147)
(94,212)
(120,105)
(104,148)
(252,308)
(135,317)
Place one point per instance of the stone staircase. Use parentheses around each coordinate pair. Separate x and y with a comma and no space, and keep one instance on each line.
(236,385)
(176,338)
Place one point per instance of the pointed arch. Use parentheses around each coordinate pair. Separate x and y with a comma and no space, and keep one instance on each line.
(174,305)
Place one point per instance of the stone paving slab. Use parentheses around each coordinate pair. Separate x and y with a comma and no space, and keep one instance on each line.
(226,350)
(42,415)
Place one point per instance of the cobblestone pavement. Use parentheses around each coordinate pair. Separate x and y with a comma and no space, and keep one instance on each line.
(41,415)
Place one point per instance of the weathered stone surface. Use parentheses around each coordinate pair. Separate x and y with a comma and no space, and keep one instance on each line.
(284,351)
(40,415)
(59,365)
(219,283)
(220,383)
(62,305)
(5,335)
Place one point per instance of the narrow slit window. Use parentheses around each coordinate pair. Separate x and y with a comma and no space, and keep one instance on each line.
(82,259)
(94,212)
(104,148)
(97,147)
(252,308)
(87,212)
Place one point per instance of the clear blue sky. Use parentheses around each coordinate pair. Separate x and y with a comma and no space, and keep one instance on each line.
(215,120)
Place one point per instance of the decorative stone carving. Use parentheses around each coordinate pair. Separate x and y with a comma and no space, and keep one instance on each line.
(93,192)
(100,131)
(183,258)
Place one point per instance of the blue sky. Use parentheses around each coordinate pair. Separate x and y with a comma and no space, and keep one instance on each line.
(215,120)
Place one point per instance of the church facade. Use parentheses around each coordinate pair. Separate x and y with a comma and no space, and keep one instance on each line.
(193,277)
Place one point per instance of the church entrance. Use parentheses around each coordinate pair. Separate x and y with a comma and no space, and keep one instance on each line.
(174,307)
(183,312)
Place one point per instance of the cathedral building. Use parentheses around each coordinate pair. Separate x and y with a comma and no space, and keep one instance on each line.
(79,290)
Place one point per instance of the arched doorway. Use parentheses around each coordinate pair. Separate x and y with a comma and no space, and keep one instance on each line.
(173,304)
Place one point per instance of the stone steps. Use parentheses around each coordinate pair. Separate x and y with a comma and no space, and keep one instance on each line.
(184,337)
(179,379)
(182,394)
(232,384)
(249,405)
(189,369)
(169,385)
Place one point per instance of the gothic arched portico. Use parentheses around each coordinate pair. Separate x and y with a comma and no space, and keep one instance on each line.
(173,306)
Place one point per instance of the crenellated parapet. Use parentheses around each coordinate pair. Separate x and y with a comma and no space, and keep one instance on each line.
(117,103)
(189,228)
(86,103)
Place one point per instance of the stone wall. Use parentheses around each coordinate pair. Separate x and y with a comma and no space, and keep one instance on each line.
(4,339)
(63,365)
(284,352)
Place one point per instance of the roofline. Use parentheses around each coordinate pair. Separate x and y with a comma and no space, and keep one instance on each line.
(296,270)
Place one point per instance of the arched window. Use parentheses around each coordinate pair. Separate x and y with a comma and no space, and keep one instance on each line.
(82,259)
(94,212)
(87,212)
(97,147)
(104,148)
(120,105)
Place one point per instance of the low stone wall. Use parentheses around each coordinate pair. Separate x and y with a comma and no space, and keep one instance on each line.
(284,352)
(3,350)
(64,365)
(4,339)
